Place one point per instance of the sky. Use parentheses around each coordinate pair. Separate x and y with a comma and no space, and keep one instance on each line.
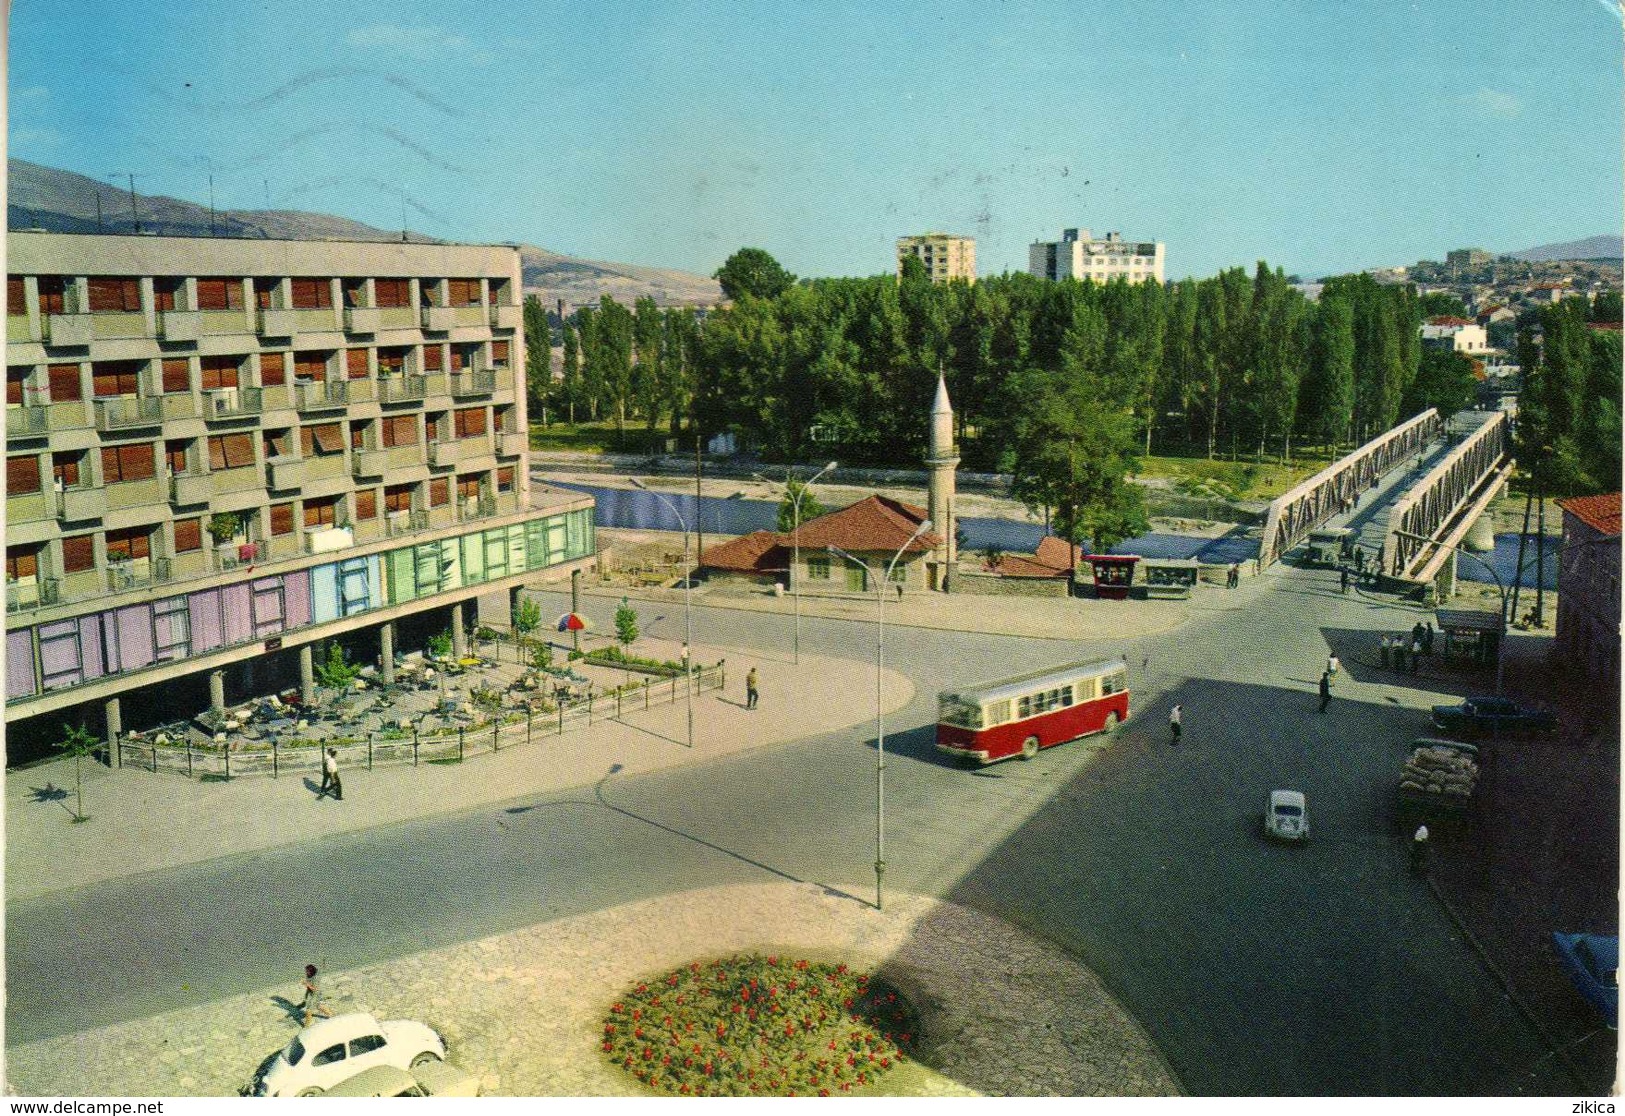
(1321,137)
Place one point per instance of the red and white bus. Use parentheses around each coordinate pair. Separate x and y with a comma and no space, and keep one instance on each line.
(1018,716)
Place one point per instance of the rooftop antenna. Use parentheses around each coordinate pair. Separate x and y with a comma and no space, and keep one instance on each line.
(211,205)
(131,175)
(99,227)
(403,216)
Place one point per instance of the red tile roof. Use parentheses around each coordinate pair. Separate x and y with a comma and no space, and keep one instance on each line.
(1616,326)
(873,524)
(1600,513)
(1053,559)
(1448,320)
(757,552)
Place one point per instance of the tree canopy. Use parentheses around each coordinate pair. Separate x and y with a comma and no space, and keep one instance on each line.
(751,271)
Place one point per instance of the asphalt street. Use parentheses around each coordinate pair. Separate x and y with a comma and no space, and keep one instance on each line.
(1259,970)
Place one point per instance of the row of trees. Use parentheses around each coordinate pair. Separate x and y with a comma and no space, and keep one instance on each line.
(1569,407)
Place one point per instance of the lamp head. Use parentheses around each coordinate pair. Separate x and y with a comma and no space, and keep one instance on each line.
(830,466)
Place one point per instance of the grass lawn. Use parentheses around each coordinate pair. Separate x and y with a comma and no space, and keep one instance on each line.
(1236,480)
(598,437)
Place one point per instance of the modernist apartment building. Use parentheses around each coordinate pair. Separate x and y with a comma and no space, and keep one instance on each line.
(1080,256)
(945,256)
(220,450)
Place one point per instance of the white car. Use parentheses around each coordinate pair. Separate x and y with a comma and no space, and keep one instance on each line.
(1287,816)
(330,1051)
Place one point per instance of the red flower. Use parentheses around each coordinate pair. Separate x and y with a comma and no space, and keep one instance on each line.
(774,961)
(666,1060)
(617,1008)
(744,993)
(608,1046)
(823,1092)
(643,988)
(637,1032)
(637,1013)
(609,1028)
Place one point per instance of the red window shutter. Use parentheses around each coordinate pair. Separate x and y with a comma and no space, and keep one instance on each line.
(439,492)
(188,535)
(177,375)
(220,372)
(78,553)
(398,497)
(358,435)
(276,443)
(432,358)
(22,475)
(175,454)
(281,519)
(16,297)
(468,484)
(391,362)
(138,462)
(22,561)
(312,294)
(166,292)
(15,375)
(217,453)
(311,366)
(273,369)
(471,422)
(65,468)
(112,471)
(355,360)
(329,438)
(212,294)
(366,503)
(239,450)
(499,353)
(65,383)
(53,294)
(390,292)
(505,479)
(307,441)
(110,294)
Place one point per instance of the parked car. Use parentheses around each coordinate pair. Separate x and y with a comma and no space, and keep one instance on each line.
(331,1051)
(1592,963)
(1492,716)
(431,1079)
(1286,816)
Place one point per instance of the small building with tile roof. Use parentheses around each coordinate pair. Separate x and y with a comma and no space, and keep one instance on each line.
(872,531)
(1588,589)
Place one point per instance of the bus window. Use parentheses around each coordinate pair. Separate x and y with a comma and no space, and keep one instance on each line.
(956,711)
(1024,707)
(1113,683)
(1088,689)
(998,713)
(1066,695)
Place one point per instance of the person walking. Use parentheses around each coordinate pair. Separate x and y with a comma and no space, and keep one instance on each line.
(1359,559)
(1343,579)
(751,693)
(330,775)
(312,1005)
(1427,639)
(1399,652)
(1332,666)
(1416,655)
(1233,579)
(1419,848)
(1175,724)
(1325,690)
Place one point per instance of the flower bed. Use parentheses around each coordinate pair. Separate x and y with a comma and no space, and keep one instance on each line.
(764,1026)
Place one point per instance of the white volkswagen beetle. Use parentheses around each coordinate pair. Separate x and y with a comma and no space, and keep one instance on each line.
(333,1050)
(1287,816)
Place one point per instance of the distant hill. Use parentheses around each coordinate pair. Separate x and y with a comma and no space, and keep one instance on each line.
(42,197)
(1608,247)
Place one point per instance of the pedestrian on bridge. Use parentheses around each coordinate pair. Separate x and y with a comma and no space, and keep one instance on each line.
(1359,559)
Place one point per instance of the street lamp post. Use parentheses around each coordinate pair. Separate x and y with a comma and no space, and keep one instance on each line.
(688,607)
(880,719)
(795,496)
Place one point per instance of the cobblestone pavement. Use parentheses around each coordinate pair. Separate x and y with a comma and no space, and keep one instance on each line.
(523,1010)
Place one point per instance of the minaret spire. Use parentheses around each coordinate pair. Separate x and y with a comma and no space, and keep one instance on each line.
(940,461)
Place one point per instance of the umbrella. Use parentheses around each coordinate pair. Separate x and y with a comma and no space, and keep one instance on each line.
(573,622)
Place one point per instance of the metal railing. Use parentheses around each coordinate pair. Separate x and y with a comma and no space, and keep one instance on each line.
(401,389)
(24,595)
(25,420)
(127,411)
(473,383)
(320,394)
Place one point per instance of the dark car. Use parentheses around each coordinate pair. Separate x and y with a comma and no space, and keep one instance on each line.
(1492,716)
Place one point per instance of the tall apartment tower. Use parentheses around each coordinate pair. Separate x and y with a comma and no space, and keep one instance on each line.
(221,451)
(945,256)
(1080,256)
(940,461)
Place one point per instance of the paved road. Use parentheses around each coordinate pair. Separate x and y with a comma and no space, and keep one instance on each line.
(1259,970)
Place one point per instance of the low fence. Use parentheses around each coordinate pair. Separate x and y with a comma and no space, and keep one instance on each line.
(397,748)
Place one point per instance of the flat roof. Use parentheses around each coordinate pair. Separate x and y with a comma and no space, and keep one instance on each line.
(1001,688)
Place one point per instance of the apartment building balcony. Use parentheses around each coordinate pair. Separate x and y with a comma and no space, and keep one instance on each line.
(511,443)
(368,530)
(75,505)
(436,383)
(194,563)
(233,402)
(283,473)
(361,319)
(442,454)
(20,329)
(360,390)
(279,547)
(135,573)
(179,405)
(470,316)
(135,494)
(68,329)
(116,326)
(507,503)
(477,507)
(507,317)
(383,462)
(473,383)
(32,592)
(29,507)
(128,411)
(326,539)
(24,420)
(277,397)
(396,317)
(438,319)
(180,325)
(443,516)
(244,478)
(405,522)
(85,583)
(401,389)
(320,395)
(290,323)
(191,488)
(217,323)
(239,555)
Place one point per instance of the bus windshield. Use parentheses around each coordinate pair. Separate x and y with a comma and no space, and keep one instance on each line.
(955,710)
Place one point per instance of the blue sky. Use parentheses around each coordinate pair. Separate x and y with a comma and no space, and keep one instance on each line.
(1319,136)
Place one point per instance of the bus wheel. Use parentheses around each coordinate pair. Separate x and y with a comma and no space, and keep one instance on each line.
(1111,721)
(1029,747)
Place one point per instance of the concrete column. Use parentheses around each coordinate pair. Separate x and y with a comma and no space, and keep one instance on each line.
(115,728)
(575,603)
(386,652)
(459,638)
(217,691)
(307,675)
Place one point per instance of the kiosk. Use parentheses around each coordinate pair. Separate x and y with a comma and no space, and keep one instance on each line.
(1114,574)
(1172,578)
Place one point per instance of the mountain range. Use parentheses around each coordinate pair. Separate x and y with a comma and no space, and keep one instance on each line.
(1591,248)
(40,197)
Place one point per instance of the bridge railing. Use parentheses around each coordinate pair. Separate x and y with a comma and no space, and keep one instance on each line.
(1312,502)
(1437,497)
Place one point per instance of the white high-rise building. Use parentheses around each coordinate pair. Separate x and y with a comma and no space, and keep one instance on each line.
(1080,256)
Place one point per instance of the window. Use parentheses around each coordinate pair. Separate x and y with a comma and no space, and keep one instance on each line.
(355,363)
(79,554)
(899,574)
(366,1044)
(401,430)
(439,492)
(464,357)
(322,440)
(15,375)
(22,475)
(22,561)
(998,712)
(276,443)
(468,485)
(310,366)
(391,362)
(462,292)
(392,292)
(435,425)
(505,479)
(175,456)
(470,422)
(366,503)
(16,296)
(282,519)
(398,497)
(1114,683)
(113,378)
(231,451)
(502,419)
(166,292)
(312,294)
(499,291)
(53,294)
(499,354)
(129,544)
(65,468)
(65,383)
(329,1056)
(1024,707)
(219,294)
(355,292)
(188,535)
(322,513)
(128,463)
(273,369)
(818,568)
(432,358)
(265,294)
(114,295)
(359,432)
(220,371)
(177,375)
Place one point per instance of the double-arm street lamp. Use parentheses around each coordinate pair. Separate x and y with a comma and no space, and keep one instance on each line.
(794,492)
(880,584)
(688,606)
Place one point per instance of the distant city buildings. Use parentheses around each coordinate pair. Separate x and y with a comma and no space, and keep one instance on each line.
(945,256)
(1467,259)
(1080,256)
(1458,334)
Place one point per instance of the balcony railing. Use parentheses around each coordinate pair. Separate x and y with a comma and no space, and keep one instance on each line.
(237,402)
(128,411)
(474,383)
(511,443)
(31,592)
(190,488)
(179,325)
(401,389)
(506,317)
(232,556)
(320,395)
(438,319)
(405,522)
(69,329)
(78,504)
(361,319)
(25,420)
(137,572)
(478,507)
